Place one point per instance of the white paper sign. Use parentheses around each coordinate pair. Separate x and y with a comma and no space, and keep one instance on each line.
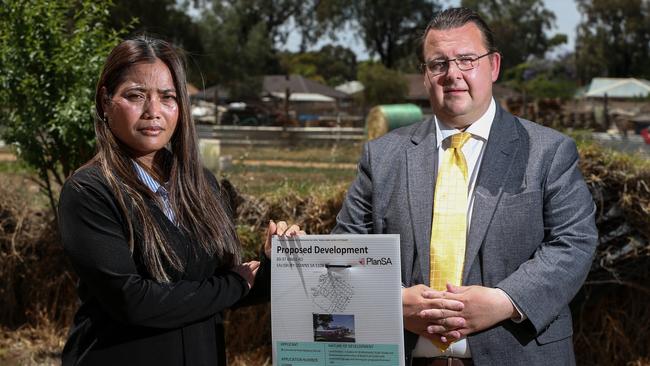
(336,301)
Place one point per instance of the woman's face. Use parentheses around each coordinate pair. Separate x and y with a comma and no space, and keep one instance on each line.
(143,110)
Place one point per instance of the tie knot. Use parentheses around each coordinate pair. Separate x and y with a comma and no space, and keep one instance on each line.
(459,139)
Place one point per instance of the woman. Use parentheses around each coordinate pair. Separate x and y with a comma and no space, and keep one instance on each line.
(146,228)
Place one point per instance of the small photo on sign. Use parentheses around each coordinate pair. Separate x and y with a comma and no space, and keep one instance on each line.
(333,328)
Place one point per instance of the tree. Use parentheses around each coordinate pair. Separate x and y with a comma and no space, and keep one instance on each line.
(322,320)
(51,53)
(337,64)
(240,37)
(539,78)
(390,29)
(274,14)
(237,53)
(167,19)
(302,63)
(613,39)
(332,65)
(382,85)
(519,27)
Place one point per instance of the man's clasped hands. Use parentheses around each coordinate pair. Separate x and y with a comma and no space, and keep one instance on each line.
(455,313)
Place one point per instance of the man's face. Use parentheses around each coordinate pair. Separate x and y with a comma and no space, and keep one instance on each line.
(458,97)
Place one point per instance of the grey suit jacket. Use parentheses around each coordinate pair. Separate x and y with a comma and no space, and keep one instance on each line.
(532,231)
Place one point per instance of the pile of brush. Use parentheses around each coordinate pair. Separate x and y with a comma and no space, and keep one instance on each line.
(248,332)
(612,311)
(37,284)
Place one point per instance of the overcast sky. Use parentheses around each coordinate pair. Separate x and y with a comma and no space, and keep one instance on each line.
(566,20)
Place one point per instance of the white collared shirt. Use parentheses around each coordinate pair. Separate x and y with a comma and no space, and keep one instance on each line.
(473,151)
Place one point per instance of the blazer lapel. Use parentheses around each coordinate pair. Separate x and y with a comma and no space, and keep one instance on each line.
(421,161)
(497,161)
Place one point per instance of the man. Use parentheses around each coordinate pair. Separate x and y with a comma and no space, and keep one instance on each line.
(481,199)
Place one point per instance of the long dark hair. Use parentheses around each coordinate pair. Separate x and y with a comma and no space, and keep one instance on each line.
(198,209)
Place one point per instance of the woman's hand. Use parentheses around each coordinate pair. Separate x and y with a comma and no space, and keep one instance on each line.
(247,270)
(282,229)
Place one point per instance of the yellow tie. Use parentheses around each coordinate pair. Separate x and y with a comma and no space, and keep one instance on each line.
(449,225)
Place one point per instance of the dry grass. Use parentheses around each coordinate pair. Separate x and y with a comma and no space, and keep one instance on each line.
(253,346)
(37,288)
(315,213)
(37,283)
(612,325)
(31,346)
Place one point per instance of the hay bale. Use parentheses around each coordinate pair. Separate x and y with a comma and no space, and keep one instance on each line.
(384,118)
(210,150)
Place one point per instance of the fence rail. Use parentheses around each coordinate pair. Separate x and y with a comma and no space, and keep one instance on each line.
(271,135)
(630,144)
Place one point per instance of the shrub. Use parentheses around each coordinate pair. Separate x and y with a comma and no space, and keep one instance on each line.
(51,53)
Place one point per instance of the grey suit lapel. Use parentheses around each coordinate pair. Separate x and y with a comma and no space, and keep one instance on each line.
(497,161)
(421,160)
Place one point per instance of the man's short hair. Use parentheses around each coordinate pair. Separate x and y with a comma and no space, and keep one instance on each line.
(456,18)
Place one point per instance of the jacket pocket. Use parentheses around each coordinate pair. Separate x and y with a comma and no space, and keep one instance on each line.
(520,199)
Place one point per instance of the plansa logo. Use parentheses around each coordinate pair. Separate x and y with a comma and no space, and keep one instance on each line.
(369,261)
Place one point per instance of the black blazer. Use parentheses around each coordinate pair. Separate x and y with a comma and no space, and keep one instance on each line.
(126,317)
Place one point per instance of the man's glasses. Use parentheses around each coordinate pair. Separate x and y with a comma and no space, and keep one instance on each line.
(464,63)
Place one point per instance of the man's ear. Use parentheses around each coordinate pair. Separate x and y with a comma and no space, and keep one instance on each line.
(495,63)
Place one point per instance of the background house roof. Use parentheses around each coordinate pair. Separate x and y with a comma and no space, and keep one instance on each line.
(618,88)
(299,84)
(209,93)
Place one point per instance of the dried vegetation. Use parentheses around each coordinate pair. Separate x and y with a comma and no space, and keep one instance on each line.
(611,313)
